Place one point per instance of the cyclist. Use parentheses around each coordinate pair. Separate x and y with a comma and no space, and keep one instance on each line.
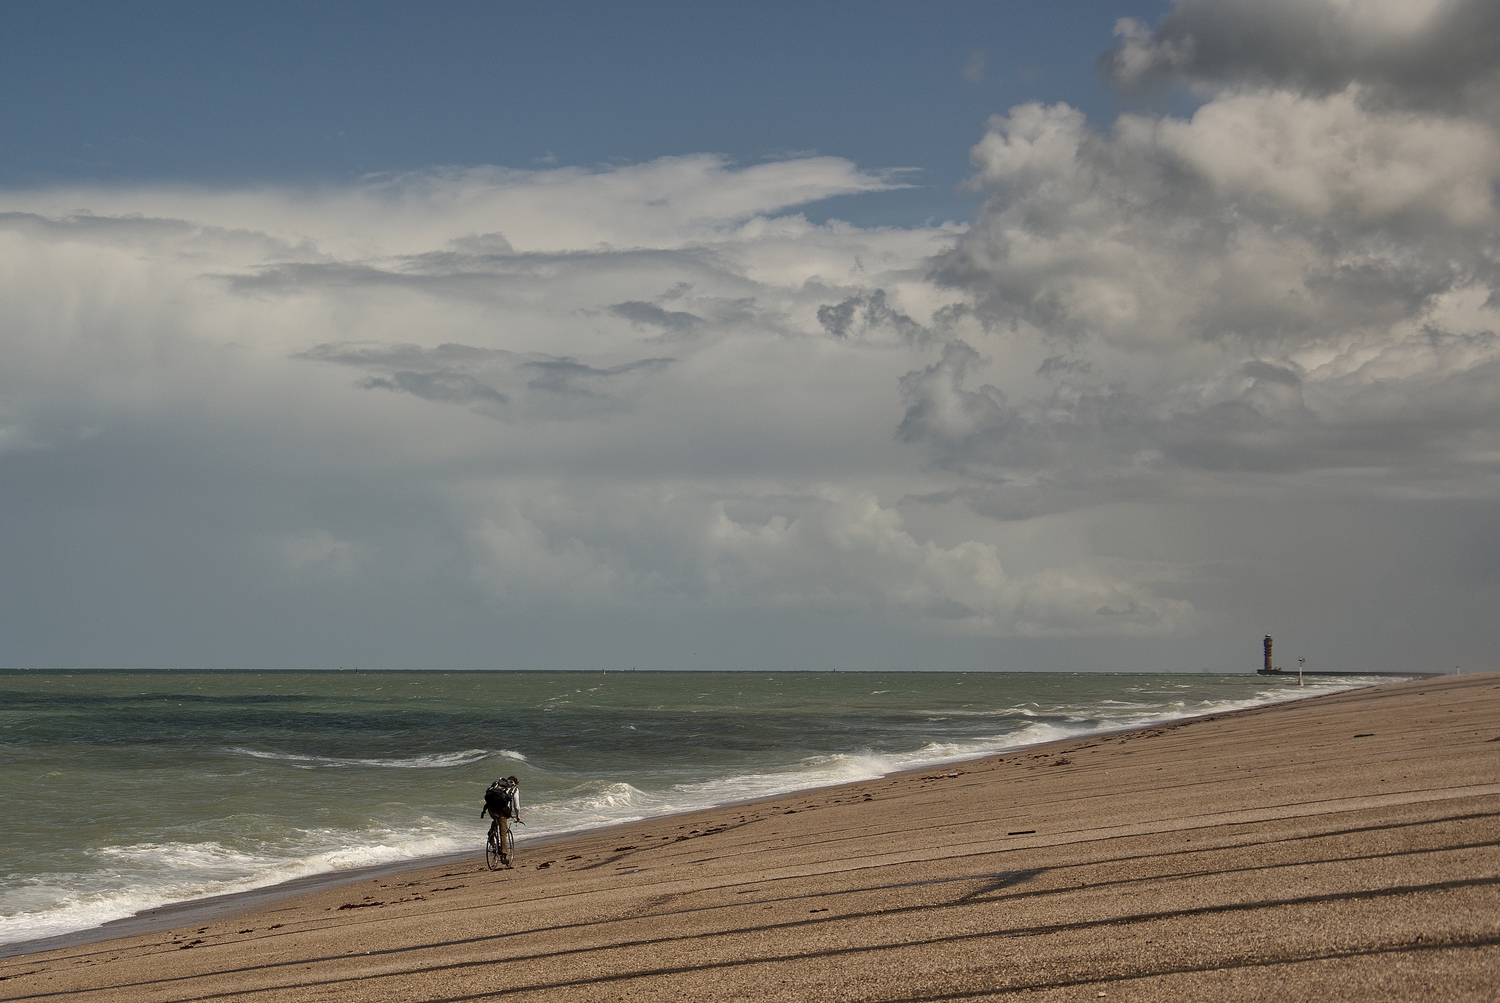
(502,801)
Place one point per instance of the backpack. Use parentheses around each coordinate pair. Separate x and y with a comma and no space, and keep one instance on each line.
(500,799)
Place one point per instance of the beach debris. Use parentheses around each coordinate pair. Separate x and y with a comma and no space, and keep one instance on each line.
(358,905)
(817,910)
(622,849)
(545,864)
(1062,761)
(1022,832)
(1365,734)
(944,776)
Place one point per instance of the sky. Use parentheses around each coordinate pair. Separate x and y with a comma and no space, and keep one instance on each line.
(1102,336)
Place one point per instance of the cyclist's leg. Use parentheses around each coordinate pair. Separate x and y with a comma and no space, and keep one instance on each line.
(492,856)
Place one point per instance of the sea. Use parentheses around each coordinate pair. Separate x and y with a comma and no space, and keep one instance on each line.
(124,790)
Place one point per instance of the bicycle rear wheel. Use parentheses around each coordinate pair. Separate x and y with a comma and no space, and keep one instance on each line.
(494,855)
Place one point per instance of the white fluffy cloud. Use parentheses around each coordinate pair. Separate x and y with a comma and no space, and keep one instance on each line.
(1293,279)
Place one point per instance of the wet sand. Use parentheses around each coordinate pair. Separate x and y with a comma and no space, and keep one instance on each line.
(1345,847)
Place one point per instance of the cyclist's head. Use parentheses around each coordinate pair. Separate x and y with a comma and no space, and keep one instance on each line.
(513,779)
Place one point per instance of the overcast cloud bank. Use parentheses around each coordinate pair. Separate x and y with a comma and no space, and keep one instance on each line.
(1183,379)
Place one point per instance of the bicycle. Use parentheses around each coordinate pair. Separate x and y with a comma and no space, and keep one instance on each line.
(502,802)
(500,845)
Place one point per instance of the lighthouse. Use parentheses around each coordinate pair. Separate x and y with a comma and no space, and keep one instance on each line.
(1268,655)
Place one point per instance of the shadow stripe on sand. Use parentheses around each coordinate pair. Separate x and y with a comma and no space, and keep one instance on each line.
(1015,932)
(1456,944)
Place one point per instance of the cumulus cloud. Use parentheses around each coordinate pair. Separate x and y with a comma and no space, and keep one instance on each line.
(1234,291)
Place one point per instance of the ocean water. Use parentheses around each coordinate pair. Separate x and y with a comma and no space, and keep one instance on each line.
(125,790)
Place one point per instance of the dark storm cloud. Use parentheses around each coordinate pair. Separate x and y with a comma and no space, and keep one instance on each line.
(1445,60)
(1258,370)
(464,374)
(677,322)
(870,311)
(442,386)
(402,356)
(1059,365)
(568,376)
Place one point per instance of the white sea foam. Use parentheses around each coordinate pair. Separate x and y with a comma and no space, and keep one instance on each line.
(129,879)
(438,760)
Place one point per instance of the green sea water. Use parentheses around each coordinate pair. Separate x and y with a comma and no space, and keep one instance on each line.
(124,790)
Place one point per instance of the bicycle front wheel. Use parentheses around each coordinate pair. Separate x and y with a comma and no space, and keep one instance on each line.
(507,846)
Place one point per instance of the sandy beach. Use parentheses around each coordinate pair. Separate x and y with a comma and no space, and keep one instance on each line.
(1342,847)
